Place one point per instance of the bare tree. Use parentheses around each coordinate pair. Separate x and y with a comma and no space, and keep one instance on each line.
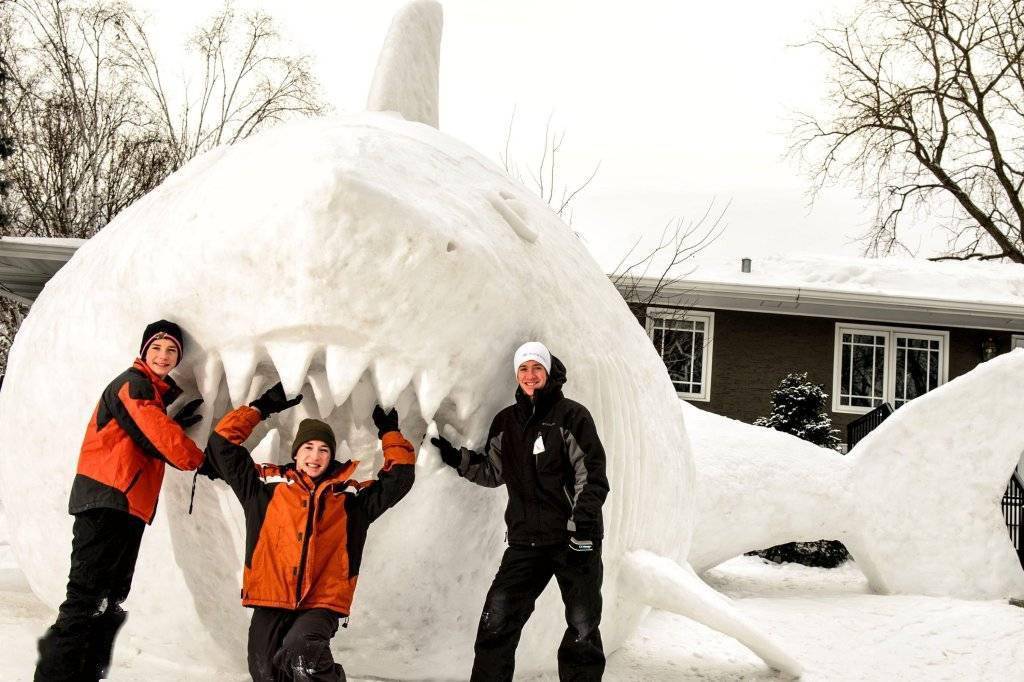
(647,279)
(91,114)
(928,117)
(89,117)
(543,174)
(247,82)
(82,147)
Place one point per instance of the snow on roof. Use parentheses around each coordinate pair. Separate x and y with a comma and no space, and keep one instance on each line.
(961,281)
(45,241)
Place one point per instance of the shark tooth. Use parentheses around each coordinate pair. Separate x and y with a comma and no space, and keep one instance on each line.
(389,378)
(465,404)
(266,449)
(430,391)
(291,360)
(363,399)
(322,392)
(343,371)
(239,366)
(208,374)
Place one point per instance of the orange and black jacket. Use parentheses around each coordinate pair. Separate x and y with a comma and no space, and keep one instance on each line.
(128,441)
(304,538)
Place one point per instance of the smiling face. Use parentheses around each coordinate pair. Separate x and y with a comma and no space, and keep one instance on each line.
(312,458)
(531,376)
(161,357)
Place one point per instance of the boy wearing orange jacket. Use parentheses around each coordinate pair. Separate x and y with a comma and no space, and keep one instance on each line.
(128,441)
(306,525)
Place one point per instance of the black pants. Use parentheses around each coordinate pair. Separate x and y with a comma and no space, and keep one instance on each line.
(78,646)
(522,576)
(293,645)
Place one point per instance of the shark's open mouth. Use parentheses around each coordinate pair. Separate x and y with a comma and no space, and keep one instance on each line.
(339,386)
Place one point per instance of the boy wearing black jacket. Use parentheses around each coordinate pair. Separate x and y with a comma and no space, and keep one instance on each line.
(546,451)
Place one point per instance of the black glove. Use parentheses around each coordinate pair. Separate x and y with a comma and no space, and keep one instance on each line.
(187,416)
(273,400)
(385,421)
(206,469)
(450,454)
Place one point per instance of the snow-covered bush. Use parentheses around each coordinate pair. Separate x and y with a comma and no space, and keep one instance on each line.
(799,408)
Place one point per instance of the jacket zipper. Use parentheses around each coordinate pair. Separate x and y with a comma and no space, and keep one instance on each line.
(305,546)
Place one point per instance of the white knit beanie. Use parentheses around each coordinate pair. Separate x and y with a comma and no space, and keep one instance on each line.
(532,350)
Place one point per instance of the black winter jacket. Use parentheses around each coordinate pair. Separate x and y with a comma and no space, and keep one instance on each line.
(547,453)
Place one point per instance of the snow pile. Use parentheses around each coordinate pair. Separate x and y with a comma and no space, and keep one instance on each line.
(916,502)
(359,260)
(965,281)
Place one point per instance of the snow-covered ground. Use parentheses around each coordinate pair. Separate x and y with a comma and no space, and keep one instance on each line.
(828,619)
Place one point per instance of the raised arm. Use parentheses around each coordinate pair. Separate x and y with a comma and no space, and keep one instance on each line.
(590,485)
(224,451)
(394,479)
(137,409)
(228,459)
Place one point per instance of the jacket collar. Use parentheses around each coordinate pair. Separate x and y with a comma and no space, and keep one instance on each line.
(336,471)
(166,387)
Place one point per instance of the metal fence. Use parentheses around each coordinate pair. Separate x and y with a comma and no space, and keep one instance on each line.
(1013,512)
(862,426)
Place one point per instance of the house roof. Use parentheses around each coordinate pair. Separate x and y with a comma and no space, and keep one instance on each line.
(903,290)
(28,263)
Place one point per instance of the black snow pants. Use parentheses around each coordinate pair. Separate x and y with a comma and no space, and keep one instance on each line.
(522,576)
(79,645)
(286,646)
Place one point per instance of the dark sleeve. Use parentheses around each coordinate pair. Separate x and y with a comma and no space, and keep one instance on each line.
(229,459)
(484,468)
(134,405)
(590,485)
(394,479)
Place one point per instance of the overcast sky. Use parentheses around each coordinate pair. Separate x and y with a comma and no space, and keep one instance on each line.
(682,103)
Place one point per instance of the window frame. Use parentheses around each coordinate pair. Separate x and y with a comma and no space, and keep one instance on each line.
(889,366)
(708,317)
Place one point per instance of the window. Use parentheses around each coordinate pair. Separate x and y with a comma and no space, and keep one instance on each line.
(874,365)
(1017,341)
(683,339)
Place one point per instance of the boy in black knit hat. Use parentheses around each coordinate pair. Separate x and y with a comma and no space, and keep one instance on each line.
(306,525)
(120,470)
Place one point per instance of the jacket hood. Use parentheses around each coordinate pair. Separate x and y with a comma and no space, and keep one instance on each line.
(552,390)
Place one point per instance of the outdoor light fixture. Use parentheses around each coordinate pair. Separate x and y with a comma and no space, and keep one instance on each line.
(988,349)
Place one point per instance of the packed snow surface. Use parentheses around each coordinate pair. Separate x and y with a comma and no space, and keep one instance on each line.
(962,281)
(839,630)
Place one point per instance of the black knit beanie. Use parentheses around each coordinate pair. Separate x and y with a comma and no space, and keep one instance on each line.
(162,329)
(313,429)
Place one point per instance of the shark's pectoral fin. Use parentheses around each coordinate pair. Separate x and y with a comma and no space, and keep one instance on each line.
(666,585)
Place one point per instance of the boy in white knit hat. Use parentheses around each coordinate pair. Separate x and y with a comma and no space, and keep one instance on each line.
(545,449)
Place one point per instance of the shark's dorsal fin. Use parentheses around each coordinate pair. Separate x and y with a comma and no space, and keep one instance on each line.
(406,79)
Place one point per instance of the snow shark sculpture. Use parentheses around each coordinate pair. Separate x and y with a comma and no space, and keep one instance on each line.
(359,259)
(916,502)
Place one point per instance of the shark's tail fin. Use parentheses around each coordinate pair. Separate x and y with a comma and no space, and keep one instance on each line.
(927,485)
(664,584)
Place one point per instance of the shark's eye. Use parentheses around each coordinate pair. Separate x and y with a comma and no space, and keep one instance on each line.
(514,213)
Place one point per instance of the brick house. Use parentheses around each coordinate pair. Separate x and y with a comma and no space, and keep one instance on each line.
(871,331)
